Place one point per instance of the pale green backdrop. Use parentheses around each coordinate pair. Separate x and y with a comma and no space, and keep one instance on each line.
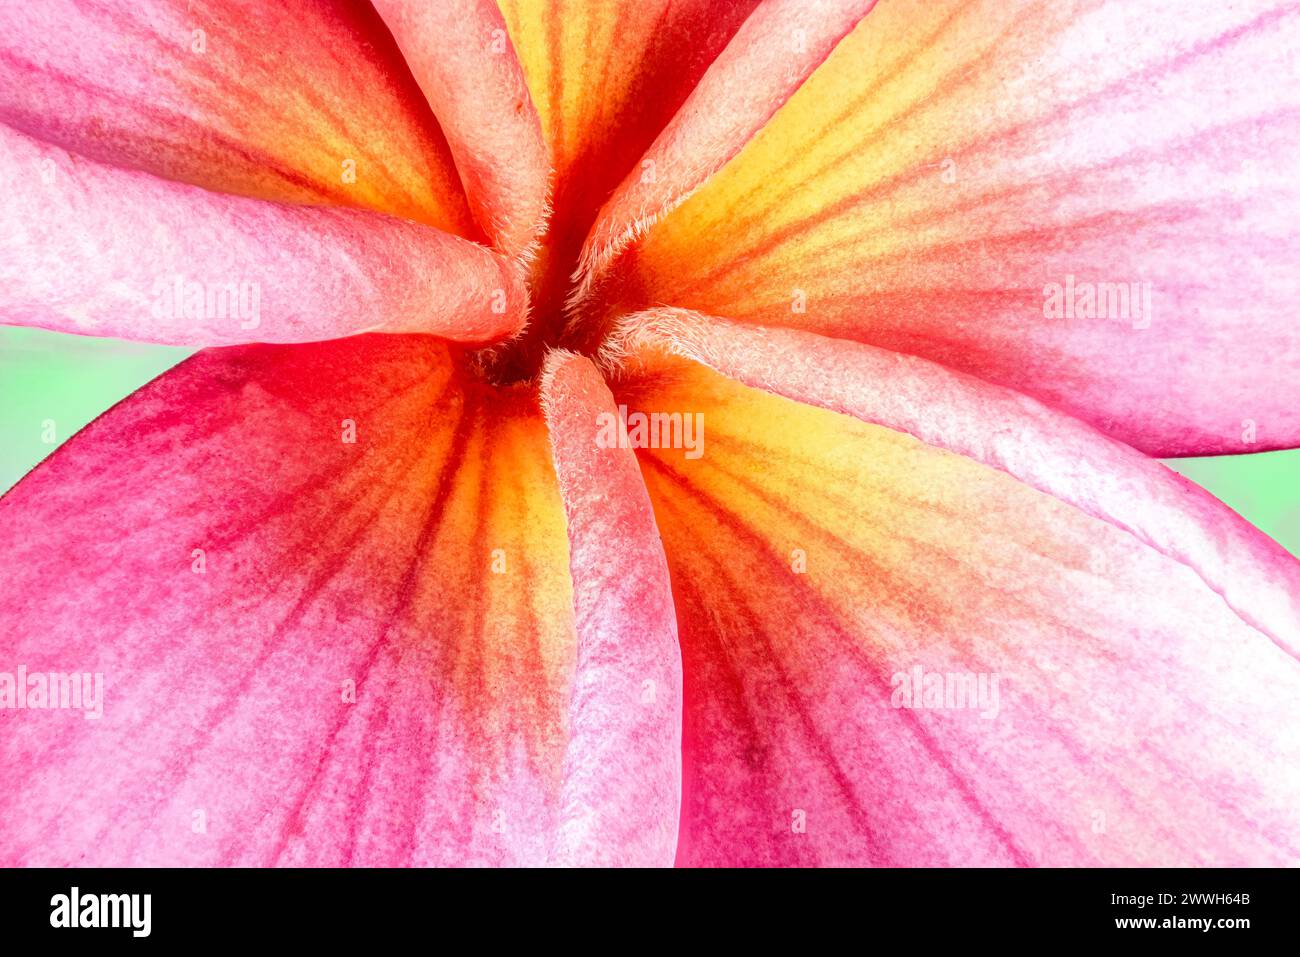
(51,385)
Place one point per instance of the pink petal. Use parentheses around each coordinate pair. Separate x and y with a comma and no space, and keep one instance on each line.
(1046,450)
(953,168)
(818,559)
(296,101)
(462,58)
(622,793)
(94,249)
(426,562)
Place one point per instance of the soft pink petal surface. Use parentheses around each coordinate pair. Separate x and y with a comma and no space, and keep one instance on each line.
(622,788)
(450,638)
(998,427)
(99,250)
(818,560)
(373,666)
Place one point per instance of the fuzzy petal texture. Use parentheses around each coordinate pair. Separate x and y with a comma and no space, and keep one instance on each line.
(315,651)
(605,78)
(99,250)
(818,560)
(298,101)
(954,168)
(622,794)
(461,55)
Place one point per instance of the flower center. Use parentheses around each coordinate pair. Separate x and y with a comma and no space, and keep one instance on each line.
(553,321)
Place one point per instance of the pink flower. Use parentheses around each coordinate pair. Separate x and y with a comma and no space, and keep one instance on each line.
(746,463)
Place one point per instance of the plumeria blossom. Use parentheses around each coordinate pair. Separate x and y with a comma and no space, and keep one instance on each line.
(364,583)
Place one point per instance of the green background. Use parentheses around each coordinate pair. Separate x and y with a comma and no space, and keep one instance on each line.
(45,376)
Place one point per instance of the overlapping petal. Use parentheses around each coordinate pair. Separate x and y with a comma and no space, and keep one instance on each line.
(768,59)
(1121,710)
(463,60)
(998,427)
(1093,202)
(606,78)
(296,101)
(314,650)
(622,794)
(353,605)
(91,248)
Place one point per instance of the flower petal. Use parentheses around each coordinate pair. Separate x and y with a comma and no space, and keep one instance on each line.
(1046,450)
(767,60)
(96,249)
(1121,711)
(622,794)
(606,77)
(459,52)
(425,565)
(955,170)
(294,101)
